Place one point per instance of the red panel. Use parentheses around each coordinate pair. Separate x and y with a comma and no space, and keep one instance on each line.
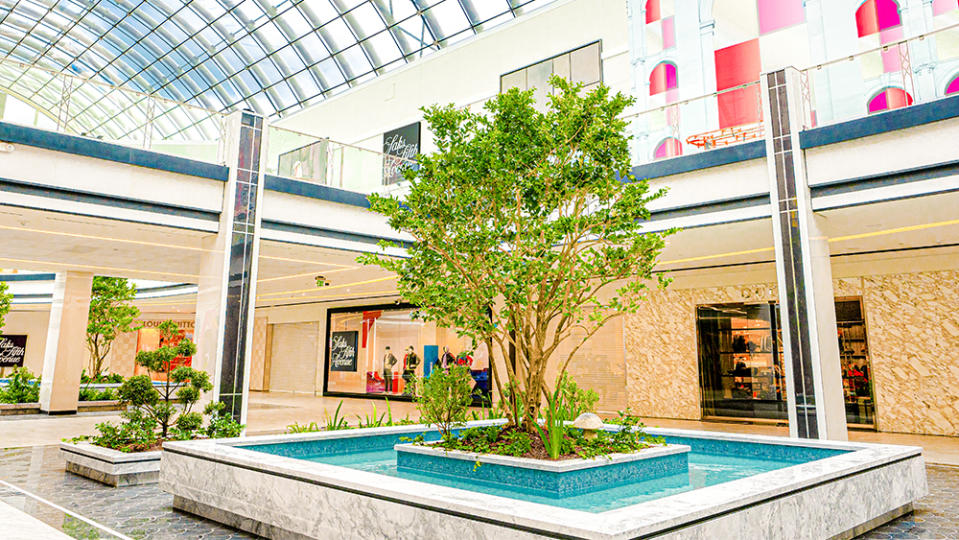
(867,23)
(652,11)
(737,64)
(739,107)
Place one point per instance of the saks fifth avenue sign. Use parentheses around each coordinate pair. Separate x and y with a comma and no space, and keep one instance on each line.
(12,350)
(404,143)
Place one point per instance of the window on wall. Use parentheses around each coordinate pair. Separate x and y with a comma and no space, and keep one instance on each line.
(663,78)
(583,65)
(660,26)
(753,36)
(953,86)
(889,98)
(667,148)
(875,16)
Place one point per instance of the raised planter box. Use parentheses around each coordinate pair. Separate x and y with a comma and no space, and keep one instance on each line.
(561,478)
(13,409)
(111,467)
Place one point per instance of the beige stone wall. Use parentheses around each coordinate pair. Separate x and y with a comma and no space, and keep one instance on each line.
(662,363)
(912,331)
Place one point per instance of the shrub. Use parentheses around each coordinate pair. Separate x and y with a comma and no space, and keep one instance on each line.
(444,399)
(136,434)
(22,387)
(571,400)
(222,425)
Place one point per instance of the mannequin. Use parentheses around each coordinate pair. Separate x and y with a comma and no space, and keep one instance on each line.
(388,362)
(447,360)
(410,362)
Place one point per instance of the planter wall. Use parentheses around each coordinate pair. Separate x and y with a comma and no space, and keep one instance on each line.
(111,467)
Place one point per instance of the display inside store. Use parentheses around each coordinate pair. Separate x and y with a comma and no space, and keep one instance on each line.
(381,350)
(741,361)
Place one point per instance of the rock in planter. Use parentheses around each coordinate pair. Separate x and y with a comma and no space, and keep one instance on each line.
(111,467)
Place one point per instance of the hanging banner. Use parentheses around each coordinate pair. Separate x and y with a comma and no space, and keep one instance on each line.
(404,143)
(12,350)
(343,351)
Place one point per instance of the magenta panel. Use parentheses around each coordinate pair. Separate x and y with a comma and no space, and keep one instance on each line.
(890,98)
(876,15)
(953,86)
(776,14)
(878,103)
(669,32)
(663,77)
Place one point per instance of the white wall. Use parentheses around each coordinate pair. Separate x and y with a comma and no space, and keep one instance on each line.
(468,73)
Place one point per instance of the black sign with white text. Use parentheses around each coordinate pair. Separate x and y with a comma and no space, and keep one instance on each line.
(404,143)
(12,350)
(343,351)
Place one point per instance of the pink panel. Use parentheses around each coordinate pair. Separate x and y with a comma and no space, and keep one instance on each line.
(739,107)
(953,86)
(887,13)
(776,14)
(652,11)
(669,33)
(944,6)
(737,64)
(672,115)
(890,60)
(668,148)
(866,21)
(890,34)
(672,95)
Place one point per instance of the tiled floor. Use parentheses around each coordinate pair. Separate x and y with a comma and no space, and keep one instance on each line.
(145,512)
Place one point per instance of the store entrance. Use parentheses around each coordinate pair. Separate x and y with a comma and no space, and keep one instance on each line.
(741,362)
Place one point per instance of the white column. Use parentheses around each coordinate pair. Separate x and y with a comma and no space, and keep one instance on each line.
(65,350)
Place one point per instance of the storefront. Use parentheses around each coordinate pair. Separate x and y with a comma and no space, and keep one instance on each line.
(741,361)
(376,351)
(148,338)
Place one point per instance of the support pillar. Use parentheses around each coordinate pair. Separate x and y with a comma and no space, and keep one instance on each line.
(807,304)
(65,352)
(227,285)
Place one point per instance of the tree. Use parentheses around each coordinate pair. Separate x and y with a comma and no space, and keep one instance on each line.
(110,314)
(5,300)
(528,230)
(159,403)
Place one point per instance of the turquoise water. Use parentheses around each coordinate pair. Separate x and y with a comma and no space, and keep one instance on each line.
(711,462)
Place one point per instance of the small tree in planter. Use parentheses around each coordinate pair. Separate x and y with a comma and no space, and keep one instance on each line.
(110,314)
(444,399)
(528,231)
(183,384)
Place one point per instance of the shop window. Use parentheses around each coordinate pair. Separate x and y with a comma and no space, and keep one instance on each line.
(953,86)
(663,77)
(667,148)
(888,99)
(741,361)
(583,65)
(778,14)
(149,339)
(379,350)
(738,65)
(874,16)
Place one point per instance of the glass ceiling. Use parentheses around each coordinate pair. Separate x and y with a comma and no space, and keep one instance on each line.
(271,56)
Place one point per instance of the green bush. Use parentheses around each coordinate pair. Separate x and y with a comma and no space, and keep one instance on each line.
(443,399)
(222,425)
(571,400)
(92,394)
(22,387)
(136,434)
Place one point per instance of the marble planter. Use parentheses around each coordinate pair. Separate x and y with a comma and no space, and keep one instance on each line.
(857,488)
(561,478)
(14,409)
(111,467)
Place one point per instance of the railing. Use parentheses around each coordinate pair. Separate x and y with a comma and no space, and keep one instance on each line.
(89,108)
(732,116)
(897,74)
(309,158)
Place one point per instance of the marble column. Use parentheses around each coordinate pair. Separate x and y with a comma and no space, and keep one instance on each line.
(227,284)
(65,350)
(807,304)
